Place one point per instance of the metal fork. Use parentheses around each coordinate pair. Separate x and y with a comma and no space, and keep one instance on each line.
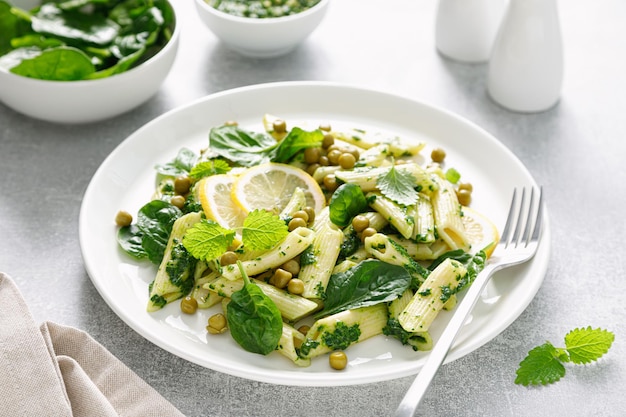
(518,244)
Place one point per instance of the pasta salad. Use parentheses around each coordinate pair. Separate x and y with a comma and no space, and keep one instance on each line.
(311,240)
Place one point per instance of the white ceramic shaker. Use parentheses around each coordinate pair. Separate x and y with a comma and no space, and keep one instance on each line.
(526,64)
(466,29)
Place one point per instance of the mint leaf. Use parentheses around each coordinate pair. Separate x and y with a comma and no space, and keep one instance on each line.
(544,364)
(208,168)
(541,366)
(588,345)
(263,230)
(207,240)
(398,185)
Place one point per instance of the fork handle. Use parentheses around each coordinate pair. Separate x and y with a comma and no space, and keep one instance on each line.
(418,388)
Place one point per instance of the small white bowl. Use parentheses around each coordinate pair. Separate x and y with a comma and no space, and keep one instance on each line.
(89,100)
(265,37)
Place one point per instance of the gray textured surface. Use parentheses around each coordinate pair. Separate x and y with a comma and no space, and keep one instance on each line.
(576,150)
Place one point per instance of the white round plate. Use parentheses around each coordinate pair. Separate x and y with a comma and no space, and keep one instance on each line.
(126,180)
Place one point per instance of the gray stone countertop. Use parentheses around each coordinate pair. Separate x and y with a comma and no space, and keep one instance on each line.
(576,150)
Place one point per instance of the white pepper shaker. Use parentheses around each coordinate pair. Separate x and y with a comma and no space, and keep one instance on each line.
(526,64)
(466,29)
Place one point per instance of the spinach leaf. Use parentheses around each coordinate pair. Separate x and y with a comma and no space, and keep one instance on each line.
(241,146)
(56,64)
(73,26)
(368,283)
(35,40)
(7,27)
(155,221)
(112,35)
(181,165)
(350,244)
(248,148)
(296,141)
(253,318)
(129,238)
(347,201)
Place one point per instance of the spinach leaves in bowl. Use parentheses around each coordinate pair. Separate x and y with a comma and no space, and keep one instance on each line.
(82,39)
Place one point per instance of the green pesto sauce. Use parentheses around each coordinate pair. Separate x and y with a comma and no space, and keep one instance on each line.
(260,9)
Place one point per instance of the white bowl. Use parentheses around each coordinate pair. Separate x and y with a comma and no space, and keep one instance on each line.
(89,100)
(265,37)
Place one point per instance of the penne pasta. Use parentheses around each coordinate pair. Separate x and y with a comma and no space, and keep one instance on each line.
(423,220)
(293,245)
(381,247)
(447,215)
(367,177)
(325,248)
(431,296)
(169,285)
(419,341)
(340,330)
(394,213)
(292,307)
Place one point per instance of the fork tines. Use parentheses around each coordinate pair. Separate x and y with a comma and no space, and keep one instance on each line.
(525,214)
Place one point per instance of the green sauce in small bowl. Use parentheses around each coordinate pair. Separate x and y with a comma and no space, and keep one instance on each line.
(262,9)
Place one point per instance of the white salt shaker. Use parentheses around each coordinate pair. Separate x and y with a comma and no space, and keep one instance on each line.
(526,64)
(466,29)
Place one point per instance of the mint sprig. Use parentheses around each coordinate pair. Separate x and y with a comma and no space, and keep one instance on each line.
(207,240)
(544,364)
(261,230)
(398,185)
(208,168)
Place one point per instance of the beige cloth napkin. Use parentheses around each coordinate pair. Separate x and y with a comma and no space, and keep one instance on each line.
(55,370)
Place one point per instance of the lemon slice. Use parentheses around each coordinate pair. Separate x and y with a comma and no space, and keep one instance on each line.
(214,194)
(480,231)
(270,187)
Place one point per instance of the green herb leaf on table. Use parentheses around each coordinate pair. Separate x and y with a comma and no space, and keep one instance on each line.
(207,240)
(544,364)
(588,345)
(262,230)
(541,366)
(368,283)
(253,319)
(398,185)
